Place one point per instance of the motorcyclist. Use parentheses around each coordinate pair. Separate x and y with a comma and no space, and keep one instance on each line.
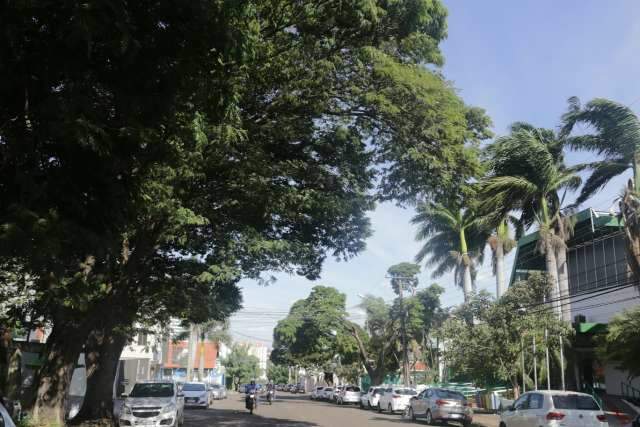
(252,389)
(271,392)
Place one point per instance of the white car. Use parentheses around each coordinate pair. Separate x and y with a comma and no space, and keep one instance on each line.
(316,393)
(554,408)
(326,393)
(153,403)
(333,396)
(349,394)
(396,399)
(369,400)
(197,395)
(217,391)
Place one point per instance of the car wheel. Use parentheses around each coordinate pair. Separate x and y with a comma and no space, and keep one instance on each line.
(390,408)
(379,408)
(428,418)
(411,414)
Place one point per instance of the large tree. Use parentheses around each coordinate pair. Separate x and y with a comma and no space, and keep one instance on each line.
(621,343)
(234,132)
(241,366)
(616,139)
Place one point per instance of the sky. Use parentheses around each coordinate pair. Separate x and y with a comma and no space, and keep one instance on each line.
(520,61)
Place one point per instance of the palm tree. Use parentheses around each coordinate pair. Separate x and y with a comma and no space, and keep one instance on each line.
(527,174)
(454,242)
(617,140)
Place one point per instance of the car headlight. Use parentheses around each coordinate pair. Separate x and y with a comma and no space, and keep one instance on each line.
(171,407)
(126,410)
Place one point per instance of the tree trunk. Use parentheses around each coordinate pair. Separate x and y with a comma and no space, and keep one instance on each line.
(501,287)
(62,350)
(191,345)
(201,359)
(467,287)
(102,357)
(563,283)
(629,209)
(552,271)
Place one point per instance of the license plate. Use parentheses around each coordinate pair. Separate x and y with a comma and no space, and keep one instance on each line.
(191,399)
(455,415)
(145,423)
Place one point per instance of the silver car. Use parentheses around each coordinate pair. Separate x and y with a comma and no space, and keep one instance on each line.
(349,394)
(153,403)
(218,391)
(439,404)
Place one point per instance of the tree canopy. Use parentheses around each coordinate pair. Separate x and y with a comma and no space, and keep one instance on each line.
(240,366)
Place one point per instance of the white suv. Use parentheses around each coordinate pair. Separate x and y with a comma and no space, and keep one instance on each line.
(554,408)
(153,403)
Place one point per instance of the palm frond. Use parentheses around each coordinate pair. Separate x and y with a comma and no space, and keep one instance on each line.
(602,173)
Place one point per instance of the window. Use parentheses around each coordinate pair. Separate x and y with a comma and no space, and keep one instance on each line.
(142,338)
(522,403)
(193,387)
(388,390)
(152,390)
(448,394)
(429,393)
(536,401)
(406,391)
(575,401)
(352,388)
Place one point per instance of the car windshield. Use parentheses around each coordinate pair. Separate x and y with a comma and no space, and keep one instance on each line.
(352,389)
(319,388)
(378,391)
(575,401)
(152,390)
(448,394)
(405,391)
(328,389)
(215,386)
(193,387)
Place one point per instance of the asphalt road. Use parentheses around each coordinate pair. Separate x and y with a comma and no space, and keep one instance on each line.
(299,411)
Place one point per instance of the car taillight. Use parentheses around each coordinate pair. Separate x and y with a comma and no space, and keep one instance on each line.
(601,417)
(555,416)
(441,402)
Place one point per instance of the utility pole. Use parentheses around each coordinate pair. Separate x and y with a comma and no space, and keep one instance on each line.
(535,364)
(405,354)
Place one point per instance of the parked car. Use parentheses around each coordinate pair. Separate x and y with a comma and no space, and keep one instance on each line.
(196,394)
(370,399)
(553,408)
(441,405)
(395,399)
(242,388)
(218,391)
(316,394)
(333,396)
(290,388)
(300,389)
(153,403)
(326,393)
(349,394)
(5,419)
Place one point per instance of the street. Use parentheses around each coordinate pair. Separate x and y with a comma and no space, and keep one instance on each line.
(299,411)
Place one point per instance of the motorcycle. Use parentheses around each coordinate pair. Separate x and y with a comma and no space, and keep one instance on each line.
(270,395)
(250,402)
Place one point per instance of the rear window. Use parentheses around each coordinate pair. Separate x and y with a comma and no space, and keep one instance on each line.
(328,389)
(575,401)
(448,394)
(378,391)
(405,391)
(352,389)
(193,387)
(319,388)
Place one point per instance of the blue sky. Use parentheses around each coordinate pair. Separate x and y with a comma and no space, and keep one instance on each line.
(520,60)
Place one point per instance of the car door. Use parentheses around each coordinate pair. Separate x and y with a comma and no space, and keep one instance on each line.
(512,417)
(534,408)
(419,404)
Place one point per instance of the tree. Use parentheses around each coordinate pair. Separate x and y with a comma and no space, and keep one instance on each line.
(240,134)
(454,241)
(616,138)
(240,366)
(489,350)
(277,374)
(526,173)
(621,342)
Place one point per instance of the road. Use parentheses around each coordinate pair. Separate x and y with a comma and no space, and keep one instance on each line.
(298,411)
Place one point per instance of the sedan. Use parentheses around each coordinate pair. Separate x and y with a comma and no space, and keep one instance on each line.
(349,394)
(396,399)
(196,395)
(441,405)
(217,391)
(326,393)
(554,408)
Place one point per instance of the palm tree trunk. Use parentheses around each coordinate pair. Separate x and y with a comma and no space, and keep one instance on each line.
(191,346)
(467,285)
(501,287)
(563,283)
(552,271)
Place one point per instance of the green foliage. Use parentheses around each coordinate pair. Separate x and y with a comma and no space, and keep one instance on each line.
(621,343)
(240,366)
(277,374)
(404,276)
(314,331)
(483,337)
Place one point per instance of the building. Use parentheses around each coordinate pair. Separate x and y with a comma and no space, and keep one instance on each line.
(600,286)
